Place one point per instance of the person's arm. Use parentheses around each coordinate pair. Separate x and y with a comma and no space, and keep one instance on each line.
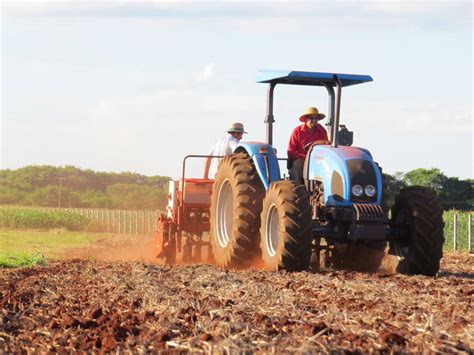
(206,168)
(324,134)
(293,146)
(233,142)
(208,164)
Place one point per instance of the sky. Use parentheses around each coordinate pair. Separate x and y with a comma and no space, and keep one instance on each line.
(138,85)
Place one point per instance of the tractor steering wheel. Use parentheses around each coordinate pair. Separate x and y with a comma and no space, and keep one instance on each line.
(318,142)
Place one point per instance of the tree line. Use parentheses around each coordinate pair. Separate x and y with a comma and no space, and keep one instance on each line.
(453,192)
(68,186)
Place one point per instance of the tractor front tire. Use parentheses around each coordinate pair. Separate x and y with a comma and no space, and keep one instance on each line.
(419,210)
(286,235)
(236,204)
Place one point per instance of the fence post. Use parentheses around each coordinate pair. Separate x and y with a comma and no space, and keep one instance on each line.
(149,222)
(469,233)
(119,221)
(125,219)
(113,221)
(455,231)
(136,222)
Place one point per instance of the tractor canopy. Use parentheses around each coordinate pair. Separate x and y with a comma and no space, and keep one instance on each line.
(309,78)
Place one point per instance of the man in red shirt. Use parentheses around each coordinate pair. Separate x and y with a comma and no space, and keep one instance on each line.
(302,138)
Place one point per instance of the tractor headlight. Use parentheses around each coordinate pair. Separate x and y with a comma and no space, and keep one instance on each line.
(357,190)
(370,190)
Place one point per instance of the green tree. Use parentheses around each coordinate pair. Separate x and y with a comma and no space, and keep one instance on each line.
(49,197)
(392,186)
(453,192)
(11,196)
(128,196)
(457,194)
(95,199)
(38,185)
(432,178)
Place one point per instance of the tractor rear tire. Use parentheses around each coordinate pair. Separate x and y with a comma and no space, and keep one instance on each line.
(286,235)
(418,208)
(236,204)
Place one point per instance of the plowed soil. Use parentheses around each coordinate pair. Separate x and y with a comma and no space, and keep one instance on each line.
(102,306)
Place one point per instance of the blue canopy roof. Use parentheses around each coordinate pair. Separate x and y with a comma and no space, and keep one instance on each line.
(309,78)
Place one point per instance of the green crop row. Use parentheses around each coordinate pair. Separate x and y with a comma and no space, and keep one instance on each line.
(43,219)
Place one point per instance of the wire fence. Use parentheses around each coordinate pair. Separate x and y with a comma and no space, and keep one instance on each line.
(458,230)
(457,224)
(136,222)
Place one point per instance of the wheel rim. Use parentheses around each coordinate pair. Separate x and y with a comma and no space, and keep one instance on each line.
(403,218)
(272,231)
(224,213)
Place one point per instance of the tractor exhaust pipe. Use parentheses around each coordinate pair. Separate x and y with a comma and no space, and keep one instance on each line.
(331,108)
(269,119)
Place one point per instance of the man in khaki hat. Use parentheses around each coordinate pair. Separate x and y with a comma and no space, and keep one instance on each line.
(302,138)
(223,146)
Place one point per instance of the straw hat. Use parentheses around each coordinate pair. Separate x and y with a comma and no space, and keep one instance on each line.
(236,127)
(312,111)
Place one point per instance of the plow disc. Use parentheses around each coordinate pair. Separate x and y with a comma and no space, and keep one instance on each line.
(169,246)
(164,245)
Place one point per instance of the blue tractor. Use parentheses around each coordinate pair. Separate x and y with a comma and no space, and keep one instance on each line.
(338,214)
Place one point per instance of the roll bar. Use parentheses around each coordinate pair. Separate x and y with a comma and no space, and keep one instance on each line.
(334,110)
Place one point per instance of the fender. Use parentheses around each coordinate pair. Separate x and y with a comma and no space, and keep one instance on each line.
(264,159)
(331,166)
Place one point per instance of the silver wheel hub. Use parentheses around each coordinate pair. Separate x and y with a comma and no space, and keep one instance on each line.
(272,231)
(224,213)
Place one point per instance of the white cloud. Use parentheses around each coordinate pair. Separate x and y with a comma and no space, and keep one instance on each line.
(206,73)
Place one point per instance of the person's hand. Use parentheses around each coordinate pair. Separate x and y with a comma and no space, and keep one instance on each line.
(322,142)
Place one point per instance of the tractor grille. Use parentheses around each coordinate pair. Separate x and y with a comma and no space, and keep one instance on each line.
(361,172)
(367,212)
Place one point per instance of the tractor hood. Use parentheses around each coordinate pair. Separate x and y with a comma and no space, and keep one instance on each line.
(339,169)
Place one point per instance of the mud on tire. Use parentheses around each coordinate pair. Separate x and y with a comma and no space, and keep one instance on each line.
(286,234)
(236,204)
(419,210)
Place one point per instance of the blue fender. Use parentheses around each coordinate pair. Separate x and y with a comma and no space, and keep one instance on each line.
(264,159)
(324,163)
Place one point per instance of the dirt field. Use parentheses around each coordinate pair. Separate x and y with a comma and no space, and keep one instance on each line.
(105,305)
